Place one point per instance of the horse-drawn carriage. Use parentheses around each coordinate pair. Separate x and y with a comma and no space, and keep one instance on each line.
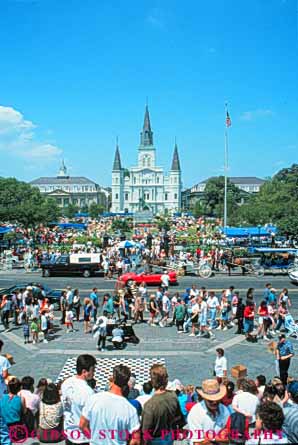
(231,261)
(200,268)
(276,260)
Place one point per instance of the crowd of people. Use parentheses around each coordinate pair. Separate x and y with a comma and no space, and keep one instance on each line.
(47,243)
(196,312)
(158,412)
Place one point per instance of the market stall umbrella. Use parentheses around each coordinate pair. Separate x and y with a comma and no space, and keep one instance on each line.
(126,244)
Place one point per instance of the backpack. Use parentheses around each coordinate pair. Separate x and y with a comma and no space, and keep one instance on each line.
(237,428)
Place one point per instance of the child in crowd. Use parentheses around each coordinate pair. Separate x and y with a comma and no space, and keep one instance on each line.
(26,330)
(69,320)
(34,329)
(44,326)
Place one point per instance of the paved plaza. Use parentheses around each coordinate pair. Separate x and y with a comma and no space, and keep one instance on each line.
(189,359)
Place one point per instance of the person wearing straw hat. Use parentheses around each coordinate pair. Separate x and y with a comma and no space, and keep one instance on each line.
(209,417)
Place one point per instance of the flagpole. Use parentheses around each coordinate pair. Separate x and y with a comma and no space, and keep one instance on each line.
(226,177)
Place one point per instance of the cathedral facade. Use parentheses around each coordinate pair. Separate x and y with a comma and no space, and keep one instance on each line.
(145,186)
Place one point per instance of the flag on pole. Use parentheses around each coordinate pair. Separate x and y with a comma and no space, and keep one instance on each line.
(228,120)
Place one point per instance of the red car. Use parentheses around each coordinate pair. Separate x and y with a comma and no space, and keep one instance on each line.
(148,278)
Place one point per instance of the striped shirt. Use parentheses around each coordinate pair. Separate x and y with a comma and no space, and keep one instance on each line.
(290,426)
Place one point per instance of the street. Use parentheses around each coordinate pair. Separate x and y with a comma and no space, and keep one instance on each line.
(216,282)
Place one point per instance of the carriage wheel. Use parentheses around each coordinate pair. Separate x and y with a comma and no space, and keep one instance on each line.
(205,271)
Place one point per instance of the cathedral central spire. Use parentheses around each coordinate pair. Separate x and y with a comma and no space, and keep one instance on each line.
(117,160)
(147,134)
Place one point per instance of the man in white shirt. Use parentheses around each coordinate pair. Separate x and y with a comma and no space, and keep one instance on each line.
(69,296)
(166,306)
(108,418)
(165,279)
(220,366)
(75,394)
(100,331)
(245,402)
(209,417)
(213,305)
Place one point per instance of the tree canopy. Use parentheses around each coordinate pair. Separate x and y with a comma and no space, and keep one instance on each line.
(21,203)
(95,210)
(276,203)
(212,203)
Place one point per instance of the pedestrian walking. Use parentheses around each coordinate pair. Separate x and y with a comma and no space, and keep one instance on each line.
(87,315)
(285,352)
(63,303)
(179,315)
(76,303)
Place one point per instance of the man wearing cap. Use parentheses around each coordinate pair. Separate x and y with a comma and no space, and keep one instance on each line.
(209,417)
(291,413)
(285,352)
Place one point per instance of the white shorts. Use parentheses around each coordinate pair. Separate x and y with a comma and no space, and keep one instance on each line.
(261,319)
(234,310)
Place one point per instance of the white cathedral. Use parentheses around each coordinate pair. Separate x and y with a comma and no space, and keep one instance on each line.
(146,187)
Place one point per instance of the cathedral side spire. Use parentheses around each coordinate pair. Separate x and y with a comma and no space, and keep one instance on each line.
(117,159)
(62,170)
(176,160)
(146,134)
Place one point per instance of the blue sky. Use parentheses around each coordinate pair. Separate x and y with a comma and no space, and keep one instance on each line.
(76,73)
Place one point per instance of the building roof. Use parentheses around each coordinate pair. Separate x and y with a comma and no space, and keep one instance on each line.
(245,180)
(176,161)
(45,180)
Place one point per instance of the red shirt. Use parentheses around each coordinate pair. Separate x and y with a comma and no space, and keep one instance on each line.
(249,312)
(263,311)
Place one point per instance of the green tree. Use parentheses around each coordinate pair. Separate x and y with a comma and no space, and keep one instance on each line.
(198,209)
(84,209)
(21,203)
(163,223)
(120,224)
(213,201)
(70,211)
(95,210)
(277,203)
